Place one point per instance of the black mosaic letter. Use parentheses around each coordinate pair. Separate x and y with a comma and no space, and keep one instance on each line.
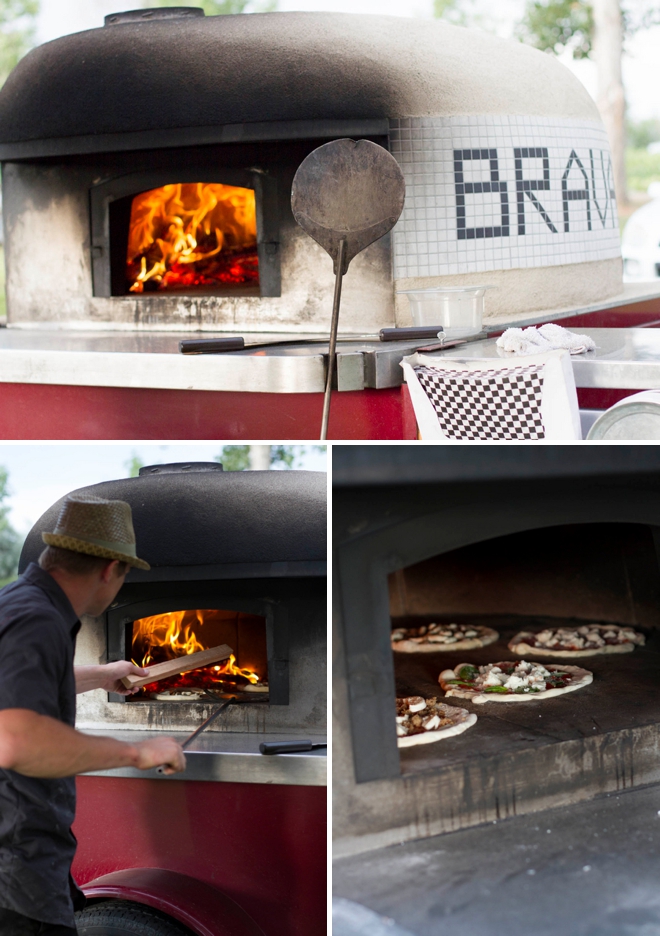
(528,186)
(575,194)
(477,188)
(607,185)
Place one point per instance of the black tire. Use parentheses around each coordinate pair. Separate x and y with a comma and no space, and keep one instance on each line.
(124,918)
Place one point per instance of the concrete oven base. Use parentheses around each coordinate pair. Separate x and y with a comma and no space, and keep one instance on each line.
(590,869)
(518,758)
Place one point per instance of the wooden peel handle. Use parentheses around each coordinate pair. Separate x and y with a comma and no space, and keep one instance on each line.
(182,664)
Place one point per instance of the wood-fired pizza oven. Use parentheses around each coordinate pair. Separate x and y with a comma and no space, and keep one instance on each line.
(237,558)
(550,536)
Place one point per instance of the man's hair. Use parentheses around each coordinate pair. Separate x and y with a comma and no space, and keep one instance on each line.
(75,563)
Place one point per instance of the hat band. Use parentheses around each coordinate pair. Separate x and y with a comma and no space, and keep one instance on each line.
(128,549)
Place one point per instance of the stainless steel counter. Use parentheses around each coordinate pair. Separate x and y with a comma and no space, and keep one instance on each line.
(625,358)
(232,757)
(270,364)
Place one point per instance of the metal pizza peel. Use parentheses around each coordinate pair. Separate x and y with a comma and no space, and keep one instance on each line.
(346,194)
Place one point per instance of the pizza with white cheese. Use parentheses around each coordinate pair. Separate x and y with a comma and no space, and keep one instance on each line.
(420,721)
(583,641)
(434,638)
(513,681)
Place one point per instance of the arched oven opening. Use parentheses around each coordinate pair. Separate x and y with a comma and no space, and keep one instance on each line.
(565,576)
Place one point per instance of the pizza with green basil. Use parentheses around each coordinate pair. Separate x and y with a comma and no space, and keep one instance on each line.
(420,720)
(513,681)
(436,637)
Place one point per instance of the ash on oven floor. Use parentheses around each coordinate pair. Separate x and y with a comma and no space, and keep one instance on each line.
(591,869)
(625,694)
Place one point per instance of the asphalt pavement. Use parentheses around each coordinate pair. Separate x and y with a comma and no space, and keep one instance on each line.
(591,869)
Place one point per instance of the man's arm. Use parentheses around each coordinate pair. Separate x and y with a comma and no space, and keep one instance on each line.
(39,746)
(106,677)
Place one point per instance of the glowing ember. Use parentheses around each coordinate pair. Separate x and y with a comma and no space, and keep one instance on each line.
(165,636)
(192,236)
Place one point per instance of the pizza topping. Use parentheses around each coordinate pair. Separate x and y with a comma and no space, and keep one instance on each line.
(413,718)
(435,633)
(586,637)
(519,677)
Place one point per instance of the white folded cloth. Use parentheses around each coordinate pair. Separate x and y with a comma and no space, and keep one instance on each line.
(548,337)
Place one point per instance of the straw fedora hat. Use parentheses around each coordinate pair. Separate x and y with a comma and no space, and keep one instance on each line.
(97,527)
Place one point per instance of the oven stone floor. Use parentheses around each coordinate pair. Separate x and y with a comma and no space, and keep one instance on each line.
(624,695)
(590,869)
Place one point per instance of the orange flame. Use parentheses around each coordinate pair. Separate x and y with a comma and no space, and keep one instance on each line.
(192,235)
(165,636)
(229,668)
(162,633)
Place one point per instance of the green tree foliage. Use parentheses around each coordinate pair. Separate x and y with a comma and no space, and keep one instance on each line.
(450,10)
(17,32)
(222,7)
(10,541)
(642,168)
(237,457)
(133,465)
(556,25)
(234,457)
(640,134)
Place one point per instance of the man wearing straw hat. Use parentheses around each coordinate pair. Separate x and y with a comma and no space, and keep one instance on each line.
(80,572)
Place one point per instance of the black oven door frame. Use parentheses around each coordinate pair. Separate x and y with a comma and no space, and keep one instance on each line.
(108,231)
(419,523)
(277,631)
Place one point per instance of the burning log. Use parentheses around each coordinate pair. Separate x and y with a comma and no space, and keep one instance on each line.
(178,665)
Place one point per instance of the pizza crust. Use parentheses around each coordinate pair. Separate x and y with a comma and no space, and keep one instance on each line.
(488,636)
(524,649)
(440,733)
(583,678)
(520,645)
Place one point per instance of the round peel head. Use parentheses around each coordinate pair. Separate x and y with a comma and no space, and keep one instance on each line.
(348,190)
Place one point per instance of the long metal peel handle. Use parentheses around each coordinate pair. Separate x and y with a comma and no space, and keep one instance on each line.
(333,339)
(202,727)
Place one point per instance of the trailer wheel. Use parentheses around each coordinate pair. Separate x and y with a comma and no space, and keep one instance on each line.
(124,918)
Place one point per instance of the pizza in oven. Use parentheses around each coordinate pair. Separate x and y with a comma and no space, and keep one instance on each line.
(434,638)
(583,641)
(513,681)
(420,721)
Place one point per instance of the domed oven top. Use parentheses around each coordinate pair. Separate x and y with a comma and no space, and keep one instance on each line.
(154,71)
(200,524)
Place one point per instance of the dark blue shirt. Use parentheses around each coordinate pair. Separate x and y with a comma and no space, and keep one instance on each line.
(38,629)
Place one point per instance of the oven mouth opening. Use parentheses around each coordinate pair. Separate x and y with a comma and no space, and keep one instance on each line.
(193,237)
(176,634)
(567,576)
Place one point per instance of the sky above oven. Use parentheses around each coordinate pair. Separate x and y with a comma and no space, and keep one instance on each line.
(41,474)
(641,64)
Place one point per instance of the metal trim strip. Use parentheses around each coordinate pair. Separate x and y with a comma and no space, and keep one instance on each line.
(193,136)
(253,373)
(225,767)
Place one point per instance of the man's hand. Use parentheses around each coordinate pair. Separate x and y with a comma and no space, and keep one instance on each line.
(108,677)
(165,752)
(39,746)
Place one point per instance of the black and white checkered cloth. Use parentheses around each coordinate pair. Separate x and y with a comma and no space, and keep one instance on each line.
(486,404)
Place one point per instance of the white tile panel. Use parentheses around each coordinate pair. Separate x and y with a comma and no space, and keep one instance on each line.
(502,192)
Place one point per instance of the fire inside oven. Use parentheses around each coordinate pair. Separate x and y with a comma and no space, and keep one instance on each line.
(162,637)
(198,237)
